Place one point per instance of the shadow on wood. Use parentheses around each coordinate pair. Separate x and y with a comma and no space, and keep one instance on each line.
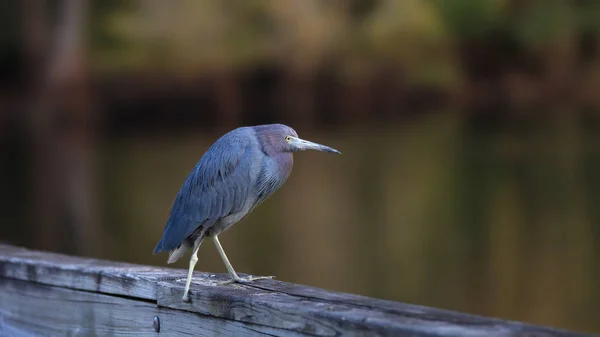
(45,294)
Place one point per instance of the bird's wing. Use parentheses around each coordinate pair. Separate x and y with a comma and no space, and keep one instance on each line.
(217,186)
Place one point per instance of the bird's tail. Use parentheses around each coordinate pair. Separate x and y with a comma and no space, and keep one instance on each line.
(178,252)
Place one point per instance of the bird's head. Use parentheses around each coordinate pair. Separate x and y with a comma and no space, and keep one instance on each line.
(282,138)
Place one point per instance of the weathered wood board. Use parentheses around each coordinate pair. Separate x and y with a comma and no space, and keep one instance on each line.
(51,294)
(51,311)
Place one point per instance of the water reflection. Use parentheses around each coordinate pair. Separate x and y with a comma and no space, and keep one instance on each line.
(497,223)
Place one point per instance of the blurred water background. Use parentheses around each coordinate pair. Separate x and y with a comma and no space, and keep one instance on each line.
(470,174)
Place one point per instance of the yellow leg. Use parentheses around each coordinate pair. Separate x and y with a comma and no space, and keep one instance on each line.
(193,260)
(232,273)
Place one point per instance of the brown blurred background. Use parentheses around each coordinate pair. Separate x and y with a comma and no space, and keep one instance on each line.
(470,178)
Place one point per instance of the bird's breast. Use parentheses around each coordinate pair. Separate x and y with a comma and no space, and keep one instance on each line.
(274,173)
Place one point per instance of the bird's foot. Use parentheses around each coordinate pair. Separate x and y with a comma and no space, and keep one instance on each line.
(247,279)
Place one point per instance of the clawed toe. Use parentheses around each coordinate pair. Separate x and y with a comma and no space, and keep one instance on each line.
(247,279)
(254,278)
(223,283)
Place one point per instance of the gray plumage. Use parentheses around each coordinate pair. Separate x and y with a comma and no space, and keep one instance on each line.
(237,173)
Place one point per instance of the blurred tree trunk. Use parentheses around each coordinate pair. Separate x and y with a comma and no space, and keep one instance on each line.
(61,129)
(355,99)
(297,97)
(229,100)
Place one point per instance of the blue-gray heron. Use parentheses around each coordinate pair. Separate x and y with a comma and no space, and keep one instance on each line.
(237,173)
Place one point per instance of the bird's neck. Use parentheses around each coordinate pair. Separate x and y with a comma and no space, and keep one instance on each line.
(266,142)
(274,173)
(285,161)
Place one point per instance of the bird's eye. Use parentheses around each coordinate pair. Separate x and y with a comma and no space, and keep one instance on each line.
(288,138)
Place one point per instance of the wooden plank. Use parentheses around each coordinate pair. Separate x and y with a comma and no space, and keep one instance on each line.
(298,312)
(30,309)
(407,310)
(95,275)
(266,304)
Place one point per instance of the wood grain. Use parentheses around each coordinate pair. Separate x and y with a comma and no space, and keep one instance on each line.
(68,295)
(50,311)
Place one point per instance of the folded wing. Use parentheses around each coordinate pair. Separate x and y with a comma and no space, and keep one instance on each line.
(218,186)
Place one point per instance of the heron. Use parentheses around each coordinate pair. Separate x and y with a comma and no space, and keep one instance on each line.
(238,172)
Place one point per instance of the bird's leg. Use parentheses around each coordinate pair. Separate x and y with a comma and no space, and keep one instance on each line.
(232,273)
(193,260)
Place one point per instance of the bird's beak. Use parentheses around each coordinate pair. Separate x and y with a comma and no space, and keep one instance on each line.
(303,145)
